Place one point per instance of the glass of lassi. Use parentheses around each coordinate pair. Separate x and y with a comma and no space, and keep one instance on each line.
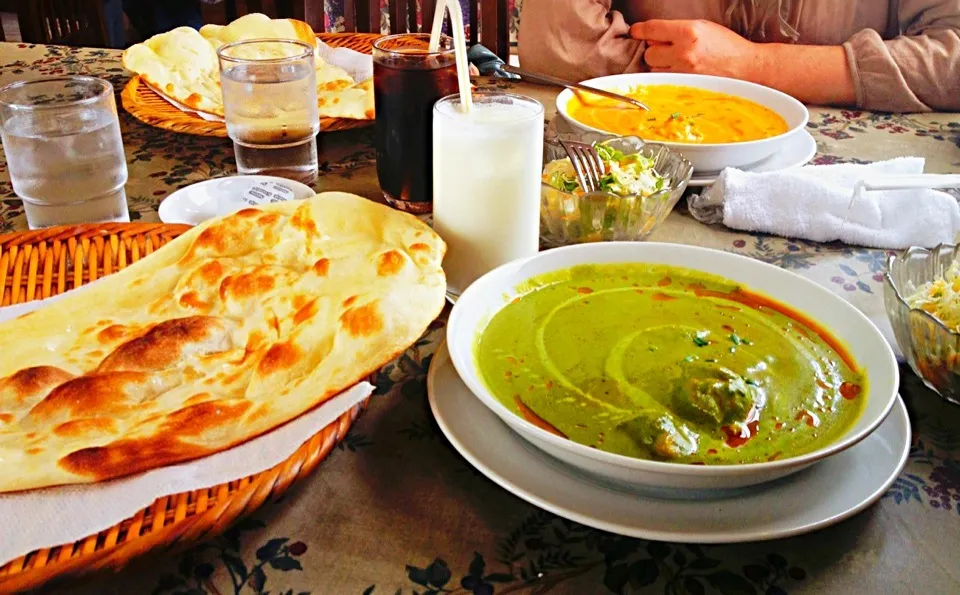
(486,182)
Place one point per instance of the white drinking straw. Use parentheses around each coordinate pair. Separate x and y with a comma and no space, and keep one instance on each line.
(459,46)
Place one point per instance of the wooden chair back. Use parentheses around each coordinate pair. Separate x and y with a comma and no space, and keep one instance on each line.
(311,11)
(489,20)
(6,6)
(63,22)
(277,9)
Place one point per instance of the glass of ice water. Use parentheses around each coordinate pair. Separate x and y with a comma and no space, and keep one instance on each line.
(270,102)
(61,138)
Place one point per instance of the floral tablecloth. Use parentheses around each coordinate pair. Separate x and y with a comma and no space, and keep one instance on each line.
(395,510)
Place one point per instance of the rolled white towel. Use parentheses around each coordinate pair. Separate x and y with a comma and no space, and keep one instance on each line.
(814,203)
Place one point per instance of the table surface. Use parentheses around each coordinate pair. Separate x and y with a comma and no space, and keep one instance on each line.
(395,510)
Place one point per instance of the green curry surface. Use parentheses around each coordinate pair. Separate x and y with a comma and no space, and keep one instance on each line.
(666,363)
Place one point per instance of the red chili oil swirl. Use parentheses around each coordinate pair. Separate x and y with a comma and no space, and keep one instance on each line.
(762,303)
(530,416)
(737,439)
(812,420)
(850,391)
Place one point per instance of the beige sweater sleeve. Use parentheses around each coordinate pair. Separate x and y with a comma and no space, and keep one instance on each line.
(919,70)
(576,39)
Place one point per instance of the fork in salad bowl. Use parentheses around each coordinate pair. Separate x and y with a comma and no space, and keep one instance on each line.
(586,162)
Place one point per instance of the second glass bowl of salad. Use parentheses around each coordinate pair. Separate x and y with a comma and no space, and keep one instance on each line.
(642,183)
(922,296)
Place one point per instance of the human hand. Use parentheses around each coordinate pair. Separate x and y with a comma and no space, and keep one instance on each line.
(700,47)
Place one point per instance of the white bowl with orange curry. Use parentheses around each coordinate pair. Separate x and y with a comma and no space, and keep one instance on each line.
(714,122)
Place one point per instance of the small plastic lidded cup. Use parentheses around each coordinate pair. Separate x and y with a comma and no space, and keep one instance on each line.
(270,104)
(62,142)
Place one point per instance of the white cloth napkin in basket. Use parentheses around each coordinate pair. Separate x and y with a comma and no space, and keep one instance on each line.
(814,203)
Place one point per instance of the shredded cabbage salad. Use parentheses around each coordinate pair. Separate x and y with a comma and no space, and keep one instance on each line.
(941,298)
(625,175)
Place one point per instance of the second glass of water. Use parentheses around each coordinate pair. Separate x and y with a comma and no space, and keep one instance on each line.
(270,103)
(61,138)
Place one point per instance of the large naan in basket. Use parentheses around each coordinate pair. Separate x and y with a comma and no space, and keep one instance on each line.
(232,329)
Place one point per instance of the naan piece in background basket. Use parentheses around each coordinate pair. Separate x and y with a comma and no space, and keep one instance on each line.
(182,64)
(236,327)
(260,26)
(354,102)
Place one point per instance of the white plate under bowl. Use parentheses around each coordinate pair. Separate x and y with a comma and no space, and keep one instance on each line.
(865,343)
(198,202)
(714,156)
(816,498)
(797,151)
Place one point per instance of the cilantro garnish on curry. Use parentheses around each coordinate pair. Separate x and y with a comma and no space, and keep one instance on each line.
(666,363)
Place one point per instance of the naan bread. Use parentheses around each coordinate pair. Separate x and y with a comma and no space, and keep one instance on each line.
(258,26)
(354,102)
(236,327)
(182,64)
(332,78)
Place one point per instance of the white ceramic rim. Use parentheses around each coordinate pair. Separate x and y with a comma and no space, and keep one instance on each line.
(727,537)
(710,177)
(464,369)
(608,82)
(167,205)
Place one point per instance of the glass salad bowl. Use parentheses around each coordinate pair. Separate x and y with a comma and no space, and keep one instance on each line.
(931,347)
(642,184)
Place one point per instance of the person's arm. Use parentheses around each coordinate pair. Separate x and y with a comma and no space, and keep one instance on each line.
(576,39)
(812,74)
(917,71)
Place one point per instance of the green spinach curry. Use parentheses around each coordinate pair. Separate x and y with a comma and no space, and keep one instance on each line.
(666,363)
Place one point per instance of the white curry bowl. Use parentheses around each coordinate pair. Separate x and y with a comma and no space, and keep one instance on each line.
(708,157)
(485,297)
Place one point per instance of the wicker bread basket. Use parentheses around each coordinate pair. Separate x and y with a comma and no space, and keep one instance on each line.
(42,263)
